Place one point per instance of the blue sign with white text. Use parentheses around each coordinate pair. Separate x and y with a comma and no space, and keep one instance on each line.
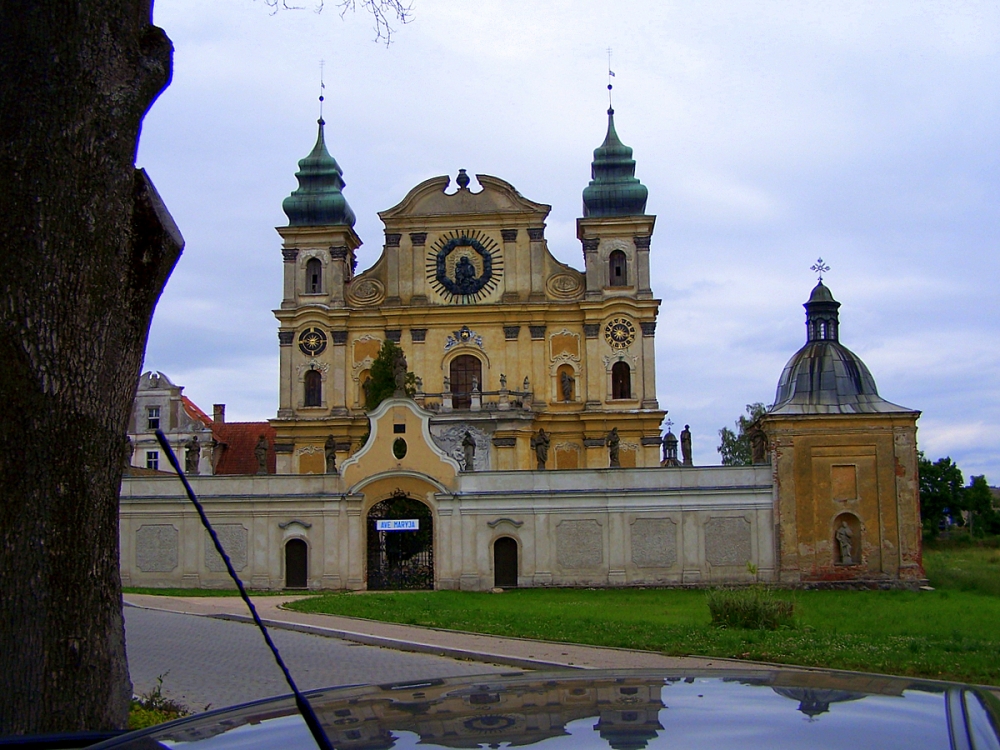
(400,524)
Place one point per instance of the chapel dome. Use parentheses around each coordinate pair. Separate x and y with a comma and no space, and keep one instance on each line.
(824,376)
(318,200)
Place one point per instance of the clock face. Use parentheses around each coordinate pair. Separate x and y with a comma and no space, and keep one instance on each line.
(464,266)
(312,341)
(619,333)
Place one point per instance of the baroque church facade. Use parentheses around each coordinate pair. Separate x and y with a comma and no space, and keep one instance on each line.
(529,453)
(504,340)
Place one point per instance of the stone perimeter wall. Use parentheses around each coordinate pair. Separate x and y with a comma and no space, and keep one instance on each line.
(616,527)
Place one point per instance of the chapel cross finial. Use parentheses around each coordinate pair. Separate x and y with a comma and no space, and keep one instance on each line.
(819,267)
(669,423)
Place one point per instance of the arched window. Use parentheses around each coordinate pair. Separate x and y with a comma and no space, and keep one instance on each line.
(464,368)
(621,381)
(314,276)
(314,389)
(618,268)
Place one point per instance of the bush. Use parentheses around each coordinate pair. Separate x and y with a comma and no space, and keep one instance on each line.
(752,608)
(154,708)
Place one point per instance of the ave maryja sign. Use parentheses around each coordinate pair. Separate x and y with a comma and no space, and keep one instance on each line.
(399,524)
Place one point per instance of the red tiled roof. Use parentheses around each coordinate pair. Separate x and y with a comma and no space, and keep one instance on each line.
(194,412)
(142,471)
(237,441)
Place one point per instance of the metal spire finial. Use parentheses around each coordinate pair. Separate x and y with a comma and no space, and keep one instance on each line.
(819,267)
(322,86)
(669,423)
(611,74)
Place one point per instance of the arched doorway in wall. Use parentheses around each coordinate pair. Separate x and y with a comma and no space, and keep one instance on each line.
(463,369)
(400,559)
(505,563)
(296,564)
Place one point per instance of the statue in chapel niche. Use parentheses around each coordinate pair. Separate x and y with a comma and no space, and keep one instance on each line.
(758,445)
(260,451)
(469,451)
(566,382)
(846,542)
(540,445)
(613,447)
(330,450)
(192,455)
(686,446)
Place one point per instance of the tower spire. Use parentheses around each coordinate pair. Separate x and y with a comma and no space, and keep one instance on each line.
(319,198)
(614,189)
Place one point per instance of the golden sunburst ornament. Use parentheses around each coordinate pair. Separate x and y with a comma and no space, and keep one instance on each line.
(619,333)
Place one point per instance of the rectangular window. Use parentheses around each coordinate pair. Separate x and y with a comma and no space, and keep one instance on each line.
(152,459)
(152,417)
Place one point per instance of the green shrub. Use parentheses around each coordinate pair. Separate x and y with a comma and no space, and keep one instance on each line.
(152,708)
(752,608)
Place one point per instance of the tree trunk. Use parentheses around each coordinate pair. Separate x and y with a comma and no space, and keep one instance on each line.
(85,249)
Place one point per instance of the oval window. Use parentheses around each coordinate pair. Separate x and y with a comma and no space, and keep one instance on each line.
(399,447)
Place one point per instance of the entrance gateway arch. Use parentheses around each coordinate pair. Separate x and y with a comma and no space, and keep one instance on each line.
(400,559)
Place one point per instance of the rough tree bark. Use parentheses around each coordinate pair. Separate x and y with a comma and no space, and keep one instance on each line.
(85,249)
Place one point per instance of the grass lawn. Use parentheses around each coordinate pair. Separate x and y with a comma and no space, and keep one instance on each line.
(950,633)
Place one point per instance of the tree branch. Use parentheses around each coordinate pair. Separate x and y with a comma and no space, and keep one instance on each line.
(383,12)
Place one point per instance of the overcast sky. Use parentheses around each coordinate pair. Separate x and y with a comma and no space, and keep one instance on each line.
(768,134)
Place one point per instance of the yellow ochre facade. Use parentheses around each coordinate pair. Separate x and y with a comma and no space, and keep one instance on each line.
(504,339)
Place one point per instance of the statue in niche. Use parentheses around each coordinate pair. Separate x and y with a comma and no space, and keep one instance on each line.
(330,450)
(503,382)
(758,445)
(686,446)
(566,382)
(469,451)
(192,456)
(540,445)
(261,453)
(613,447)
(845,540)
(399,373)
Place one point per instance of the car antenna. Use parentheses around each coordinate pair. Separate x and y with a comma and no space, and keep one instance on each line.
(300,700)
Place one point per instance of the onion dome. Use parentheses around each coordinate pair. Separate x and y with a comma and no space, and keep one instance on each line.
(614,189)
(824,376)
(318,201)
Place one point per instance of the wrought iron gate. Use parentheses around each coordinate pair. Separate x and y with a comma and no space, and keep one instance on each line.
(400,559)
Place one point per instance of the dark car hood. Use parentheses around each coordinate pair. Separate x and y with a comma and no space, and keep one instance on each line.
(623,710)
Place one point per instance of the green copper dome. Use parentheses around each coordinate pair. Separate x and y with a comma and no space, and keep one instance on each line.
(613,190)
(318,201)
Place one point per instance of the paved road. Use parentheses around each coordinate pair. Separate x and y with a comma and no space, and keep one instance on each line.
(210,661)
